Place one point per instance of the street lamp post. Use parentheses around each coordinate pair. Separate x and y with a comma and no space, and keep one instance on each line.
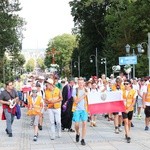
(104,61)
(133,53)
(96,62)
(140,48)
(78,63)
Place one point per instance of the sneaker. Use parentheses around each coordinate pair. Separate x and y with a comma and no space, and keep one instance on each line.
(52,137)
(132,125)
(117,131)
(77,137)
(35,138)
(71,130)
(128,139)
(7,131)
(40,127)
(10,135)
(119,128)
(62,129)
(106,116)
(83,142)
(89,118)
(146,128)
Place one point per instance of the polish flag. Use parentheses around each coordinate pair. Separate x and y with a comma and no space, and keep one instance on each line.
(105,102)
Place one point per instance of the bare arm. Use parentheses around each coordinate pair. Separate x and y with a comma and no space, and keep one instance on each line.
(56,100)
(78,99)
(143,99)
(5,102)
(133,102)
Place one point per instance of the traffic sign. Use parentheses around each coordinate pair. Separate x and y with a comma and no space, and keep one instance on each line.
(127,60)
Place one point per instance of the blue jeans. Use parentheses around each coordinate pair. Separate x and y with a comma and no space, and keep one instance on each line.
(9,120)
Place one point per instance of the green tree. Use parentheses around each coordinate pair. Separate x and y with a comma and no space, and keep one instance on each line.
(11,26)
(21,60)
(30,65)
(64,45)
(126,23)
(40,64)
(90,29)
(13,66)
(108,25)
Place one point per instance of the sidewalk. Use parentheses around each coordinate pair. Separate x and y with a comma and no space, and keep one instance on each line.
(101,137)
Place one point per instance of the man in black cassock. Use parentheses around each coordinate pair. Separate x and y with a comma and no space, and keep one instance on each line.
(66,107)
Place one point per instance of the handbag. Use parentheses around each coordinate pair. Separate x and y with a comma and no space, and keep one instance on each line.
(64,106)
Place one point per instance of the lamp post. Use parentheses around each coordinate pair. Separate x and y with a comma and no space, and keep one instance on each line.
(104,61)
(78,63)
(96,63)
(140,48)
(140,51)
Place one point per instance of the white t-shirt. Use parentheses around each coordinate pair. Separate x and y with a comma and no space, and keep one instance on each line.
(141,90)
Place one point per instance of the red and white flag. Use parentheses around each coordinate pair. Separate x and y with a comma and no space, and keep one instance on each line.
(105,102)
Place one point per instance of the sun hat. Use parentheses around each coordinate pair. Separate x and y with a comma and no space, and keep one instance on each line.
(50,81)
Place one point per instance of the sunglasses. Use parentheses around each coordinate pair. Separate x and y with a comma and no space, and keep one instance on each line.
(126,83)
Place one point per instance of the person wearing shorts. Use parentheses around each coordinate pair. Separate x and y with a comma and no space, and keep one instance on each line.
(118,86)
(146,105)
(140,96)
(129,97)
(35,105)
(80,110)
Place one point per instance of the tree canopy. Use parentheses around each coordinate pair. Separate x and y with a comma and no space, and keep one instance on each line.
(109,25)
(30,65)
(63,45)
(11,26)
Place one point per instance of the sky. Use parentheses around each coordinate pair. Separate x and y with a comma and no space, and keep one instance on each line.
(45,20)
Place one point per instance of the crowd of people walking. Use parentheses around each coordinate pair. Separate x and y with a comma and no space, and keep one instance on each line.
(66,101)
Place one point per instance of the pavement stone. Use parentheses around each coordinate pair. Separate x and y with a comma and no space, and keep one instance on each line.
(101,137)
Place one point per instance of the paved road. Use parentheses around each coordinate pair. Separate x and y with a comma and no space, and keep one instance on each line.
(101,137)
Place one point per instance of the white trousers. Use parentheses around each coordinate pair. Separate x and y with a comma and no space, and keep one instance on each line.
(55,117)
